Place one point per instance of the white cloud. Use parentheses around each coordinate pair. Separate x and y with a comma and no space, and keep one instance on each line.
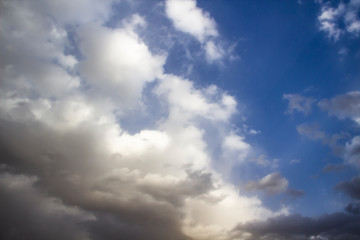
(331,18)
(117,63)
(213,52)
(188,18)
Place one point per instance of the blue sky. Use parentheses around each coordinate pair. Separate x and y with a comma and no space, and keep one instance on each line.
(180,119)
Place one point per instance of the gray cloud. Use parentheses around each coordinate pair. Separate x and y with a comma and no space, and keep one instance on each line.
(343,106)
(333,168)
(295,193)
(352,151)
(310,131)
(353,208)
(337,226)
(272,184)
(351,188)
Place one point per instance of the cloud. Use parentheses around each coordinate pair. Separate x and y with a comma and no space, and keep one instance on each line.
(295,193)
(333,168)
(338,226)
(272,183)
(299,103)
(117,62)
(351,188)
(26,211)
(332,18)
(188,18)
(295,161)
(65,144)
(264,162)
(352,151)
(353,208)
(343,106)
(310,131)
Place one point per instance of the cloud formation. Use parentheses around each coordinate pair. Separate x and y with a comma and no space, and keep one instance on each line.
(188,18)
(331,19)
(351,188)
(339,226)
(69,85)
(272,183)
(343,106)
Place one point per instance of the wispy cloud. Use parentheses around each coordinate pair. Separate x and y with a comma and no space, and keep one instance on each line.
(299,103)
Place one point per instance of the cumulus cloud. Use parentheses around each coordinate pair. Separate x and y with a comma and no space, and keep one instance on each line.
(299,103)
(343,106)
(188,18)
(63,141)
(272,183)
(332,18)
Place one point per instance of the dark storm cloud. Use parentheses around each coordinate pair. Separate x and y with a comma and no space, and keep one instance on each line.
(27,213)
(353,208)
(337,226)
(351,188)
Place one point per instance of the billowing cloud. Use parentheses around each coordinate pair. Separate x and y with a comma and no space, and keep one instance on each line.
(69,85)
(299,103)
(343,106)
(272,183)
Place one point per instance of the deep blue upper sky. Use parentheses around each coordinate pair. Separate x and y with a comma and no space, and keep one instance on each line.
(280,50)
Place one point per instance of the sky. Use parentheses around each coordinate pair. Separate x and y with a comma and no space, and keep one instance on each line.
(180,119)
